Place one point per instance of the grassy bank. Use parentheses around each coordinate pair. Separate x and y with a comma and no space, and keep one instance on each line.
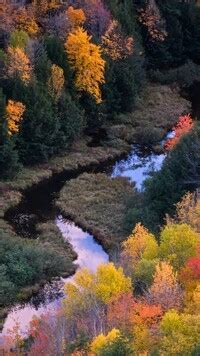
(98,204)
(95,202)
(156,111)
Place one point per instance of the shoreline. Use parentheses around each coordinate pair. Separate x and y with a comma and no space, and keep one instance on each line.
(82,158)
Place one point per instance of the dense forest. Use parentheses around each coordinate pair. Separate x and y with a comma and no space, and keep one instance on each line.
(82,84)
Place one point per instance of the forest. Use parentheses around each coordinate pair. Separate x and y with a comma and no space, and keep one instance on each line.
(100,140)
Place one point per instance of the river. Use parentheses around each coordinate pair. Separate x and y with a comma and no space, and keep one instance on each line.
(137,166)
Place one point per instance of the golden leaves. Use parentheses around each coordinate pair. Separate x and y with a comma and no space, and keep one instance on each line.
(14,112)
(19,64)
(85,58)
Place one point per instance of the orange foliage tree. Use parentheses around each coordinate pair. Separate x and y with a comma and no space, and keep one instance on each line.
(119,312)
(146,314)
(19,64)
(184,125)
(25,20)
(76,17)
(115,44)
(14,113)
(86,60)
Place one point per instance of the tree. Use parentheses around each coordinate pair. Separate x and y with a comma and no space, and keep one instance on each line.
(110,345)
(150,18)
(9,163)
(110,282)
(165,290)
(188,211)
(14,113)
(141,244)
(146,314)
(76,17)
(18,64)
(115,44)
(189,275)
(48,335)
(40,136)
(56,82)
(88,295)
(97,15)
(193,304)
(178,242)
(86,60)
(120,312)
(19,39)
(180,333)
(25,20)
(184,125)
(179,173)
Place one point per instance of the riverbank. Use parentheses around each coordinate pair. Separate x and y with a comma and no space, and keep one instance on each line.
(98,204)
(84,157)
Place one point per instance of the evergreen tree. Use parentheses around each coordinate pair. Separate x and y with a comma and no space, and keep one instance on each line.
(9,164)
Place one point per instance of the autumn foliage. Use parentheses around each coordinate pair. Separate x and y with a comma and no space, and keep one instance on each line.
(14,113)
(86,60)
(150,18)
(183,126)
(56,82)
(115,44)
(19,64)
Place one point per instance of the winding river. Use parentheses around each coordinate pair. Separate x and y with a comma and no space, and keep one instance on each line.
(137,166)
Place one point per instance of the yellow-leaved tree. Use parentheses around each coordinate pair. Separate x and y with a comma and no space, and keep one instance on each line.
(86,59)
(141,244)
(165,289)
(14,113)
(19,64)
(89,294)
(56,82)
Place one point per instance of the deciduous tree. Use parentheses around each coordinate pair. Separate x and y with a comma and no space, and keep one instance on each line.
(86,60)
(165,290)
(141,244)
(178,242)
(14,113)
(19,64)
(115,44)
(184,125)
(56,82)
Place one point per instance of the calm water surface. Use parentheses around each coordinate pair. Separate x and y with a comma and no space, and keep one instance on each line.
(137,167)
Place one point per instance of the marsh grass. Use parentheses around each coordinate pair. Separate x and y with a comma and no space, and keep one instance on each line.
(98,204)
(50,237)
(156,111)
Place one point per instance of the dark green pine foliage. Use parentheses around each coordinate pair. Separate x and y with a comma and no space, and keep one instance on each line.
(191,26)
(124,78)
(56,53)
(40,136)
(180,173)
(71,120)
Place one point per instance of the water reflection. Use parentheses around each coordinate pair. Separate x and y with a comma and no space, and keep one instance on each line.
(137,167)
(90,255)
